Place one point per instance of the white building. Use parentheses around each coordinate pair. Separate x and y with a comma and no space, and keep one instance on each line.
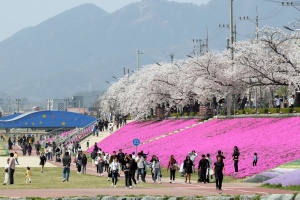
(64,104)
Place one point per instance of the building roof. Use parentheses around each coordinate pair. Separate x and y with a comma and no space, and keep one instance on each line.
(46,119)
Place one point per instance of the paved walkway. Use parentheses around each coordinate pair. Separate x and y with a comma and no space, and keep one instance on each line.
(178,189)
(25,161)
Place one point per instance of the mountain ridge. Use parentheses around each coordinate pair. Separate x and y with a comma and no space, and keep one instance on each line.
(86,45)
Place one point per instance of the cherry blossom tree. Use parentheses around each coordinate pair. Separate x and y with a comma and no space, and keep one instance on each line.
(271,61)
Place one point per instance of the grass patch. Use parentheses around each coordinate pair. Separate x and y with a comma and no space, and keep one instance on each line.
(279,186)
(52,179)
(295,164)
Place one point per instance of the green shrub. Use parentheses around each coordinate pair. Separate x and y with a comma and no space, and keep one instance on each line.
(192,114)
(174,114)
(185,114)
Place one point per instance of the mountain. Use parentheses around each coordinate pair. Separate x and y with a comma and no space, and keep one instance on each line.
(86,46)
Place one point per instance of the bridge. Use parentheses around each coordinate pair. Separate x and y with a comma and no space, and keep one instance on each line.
(46,120)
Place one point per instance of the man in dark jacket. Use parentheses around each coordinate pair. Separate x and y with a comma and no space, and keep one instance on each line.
(93,156)
(202,168)
(66,166)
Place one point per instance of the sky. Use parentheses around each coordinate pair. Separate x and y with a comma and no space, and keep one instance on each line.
(18,14)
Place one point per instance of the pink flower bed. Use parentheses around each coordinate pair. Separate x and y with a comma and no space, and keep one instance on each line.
(145,131)
(275,140)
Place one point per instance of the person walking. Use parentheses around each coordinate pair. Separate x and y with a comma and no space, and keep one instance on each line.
(235,156)
(11,167)
(100,164)
(291,101)
(115,169)
(66,166)
(38,148)
(255,159)
(29,149)
(84,163)
(172,166)
(79,161)
(156,170)
(188,168)
(202,169)
(210,168)
(219,170)
(28,175)
(132,169)
(140,168)
(42,162)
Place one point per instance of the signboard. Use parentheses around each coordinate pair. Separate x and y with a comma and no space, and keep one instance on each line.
(136,142)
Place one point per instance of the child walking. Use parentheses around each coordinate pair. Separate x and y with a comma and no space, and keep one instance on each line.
(16,157)
(28,175)
(255,159)
(6,178)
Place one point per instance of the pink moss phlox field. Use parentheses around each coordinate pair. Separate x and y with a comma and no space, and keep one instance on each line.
(275,140)
(144,131)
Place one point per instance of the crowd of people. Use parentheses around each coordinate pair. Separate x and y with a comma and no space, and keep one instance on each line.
(136,167)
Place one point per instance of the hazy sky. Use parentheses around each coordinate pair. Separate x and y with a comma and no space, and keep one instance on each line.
(18,14)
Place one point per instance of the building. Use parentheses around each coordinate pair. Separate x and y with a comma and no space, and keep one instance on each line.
(64,104)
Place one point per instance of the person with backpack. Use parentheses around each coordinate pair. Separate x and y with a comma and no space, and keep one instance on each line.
(84,163)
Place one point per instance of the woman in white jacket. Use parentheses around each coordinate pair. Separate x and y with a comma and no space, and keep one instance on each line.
(115,170)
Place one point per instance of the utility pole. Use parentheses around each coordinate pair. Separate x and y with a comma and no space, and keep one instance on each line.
(256,24)
(138,53)
(18,103)
(172,57)
(231,28)
(235,33)
(124,71)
